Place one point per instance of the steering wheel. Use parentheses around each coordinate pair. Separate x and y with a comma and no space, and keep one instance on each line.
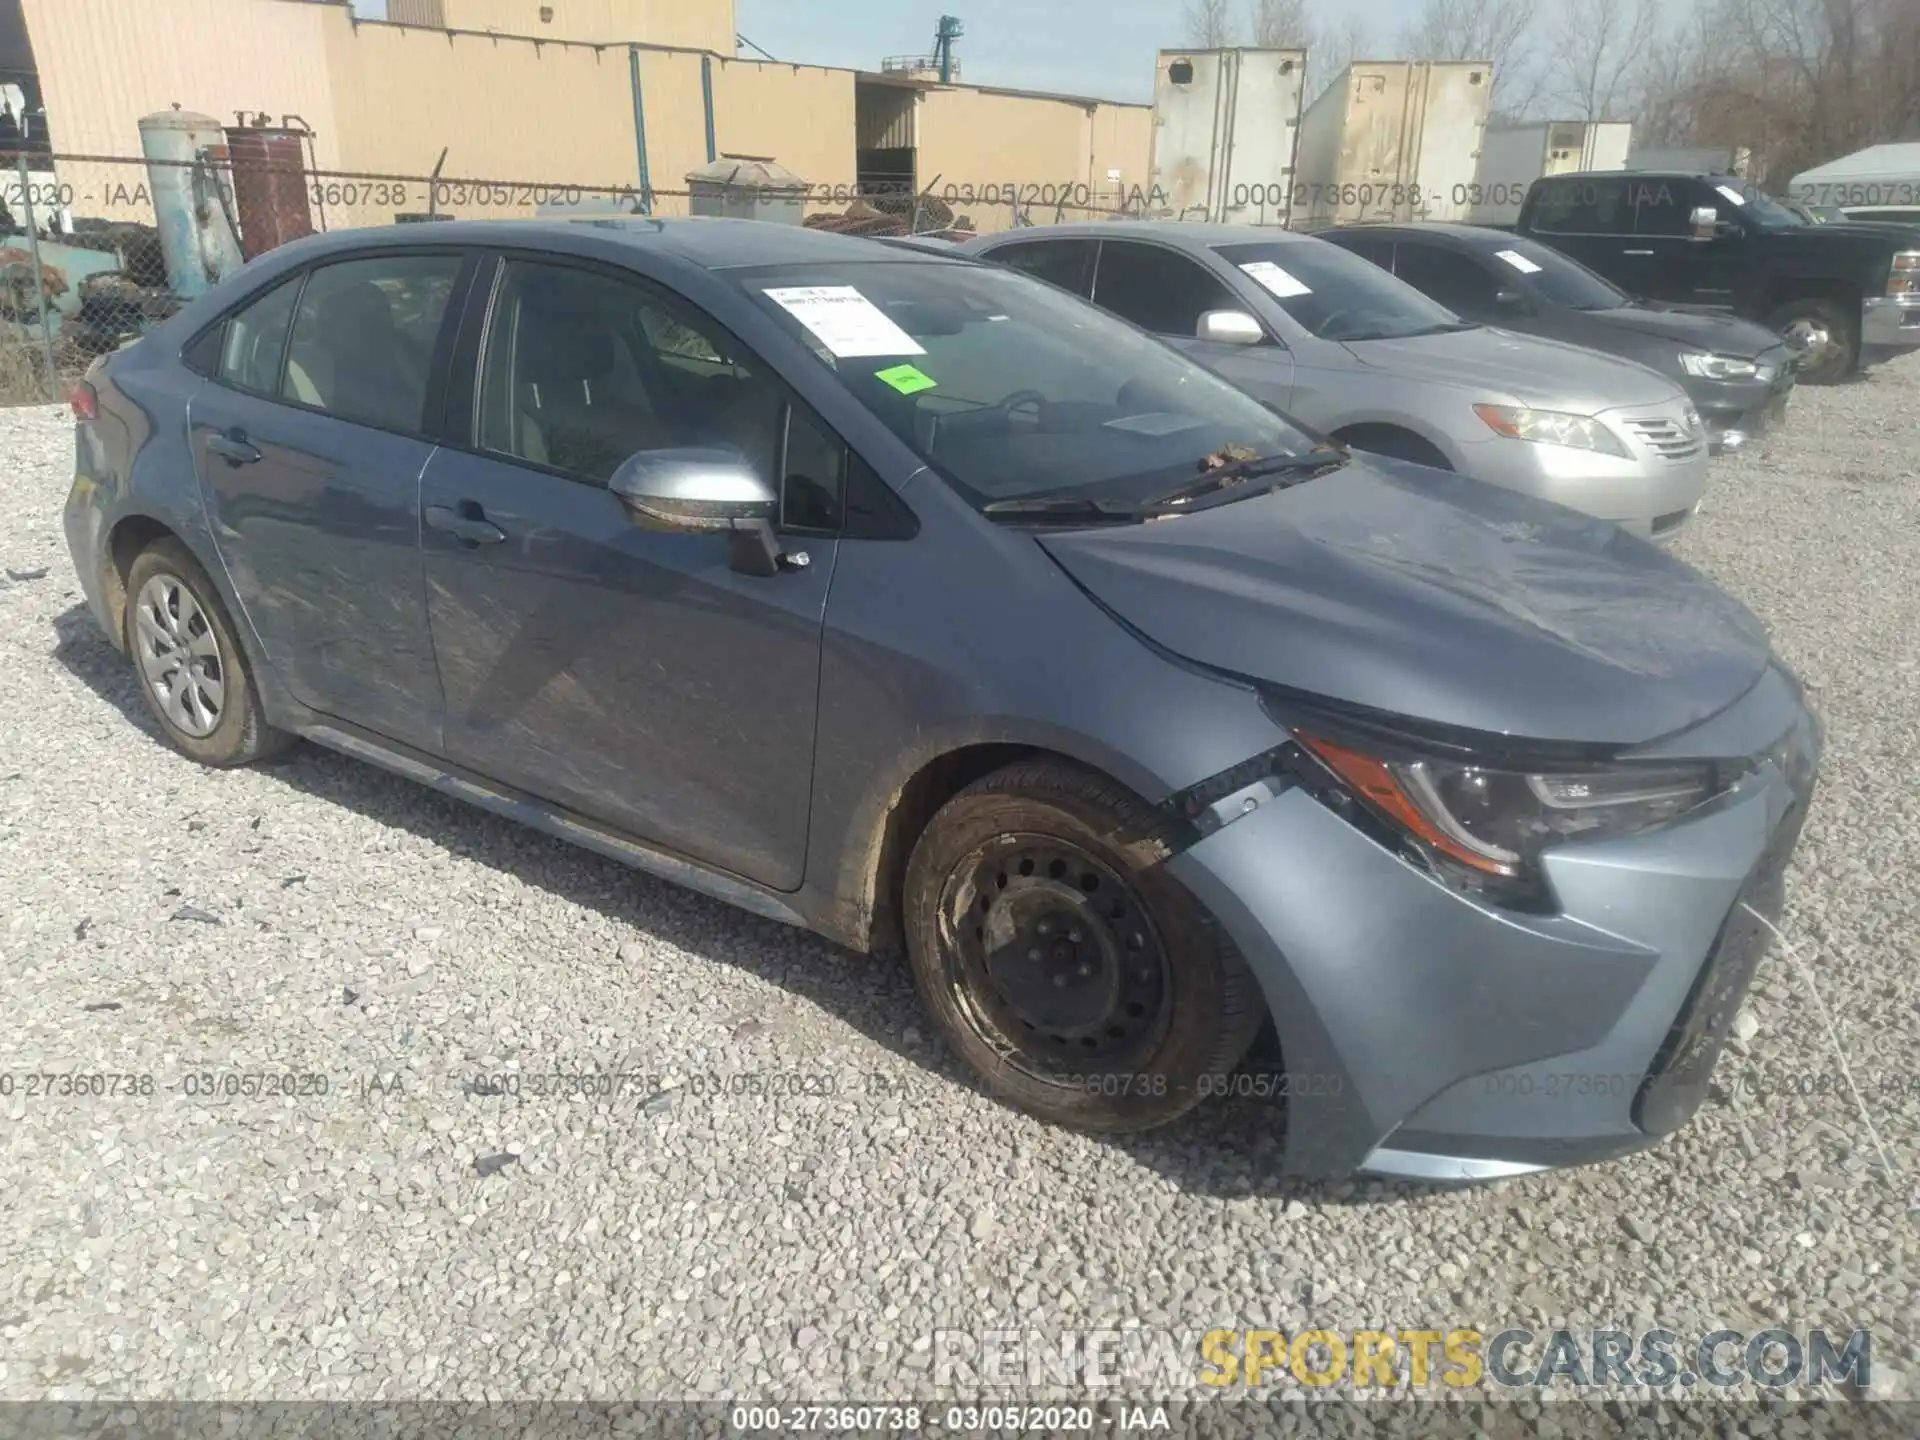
(1019,399)
(1326,329)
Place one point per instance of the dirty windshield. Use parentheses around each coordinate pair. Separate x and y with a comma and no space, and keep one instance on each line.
(1336,295)
(1009,388)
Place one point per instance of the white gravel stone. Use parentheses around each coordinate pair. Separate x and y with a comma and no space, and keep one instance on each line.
(408,1234)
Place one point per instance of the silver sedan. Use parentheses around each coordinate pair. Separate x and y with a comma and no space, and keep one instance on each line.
(1354,352)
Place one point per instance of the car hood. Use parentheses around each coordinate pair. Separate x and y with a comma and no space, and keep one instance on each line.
(1722,334)
(1532,370)
(1424,594)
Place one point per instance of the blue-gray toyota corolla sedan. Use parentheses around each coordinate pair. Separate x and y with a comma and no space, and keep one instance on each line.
(907,598)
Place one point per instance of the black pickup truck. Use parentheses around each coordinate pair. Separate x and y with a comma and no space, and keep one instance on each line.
(1844,295)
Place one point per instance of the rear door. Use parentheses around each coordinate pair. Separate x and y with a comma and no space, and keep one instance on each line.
(1166,292)
(310,445)
(627,674)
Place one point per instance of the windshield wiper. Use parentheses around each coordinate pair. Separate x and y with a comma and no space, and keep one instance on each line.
(1063,507)
(1229,483)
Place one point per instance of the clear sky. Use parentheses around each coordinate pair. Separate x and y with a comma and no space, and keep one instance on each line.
(1085,47)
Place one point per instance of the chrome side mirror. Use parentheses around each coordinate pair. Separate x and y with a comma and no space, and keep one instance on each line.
(1705,221)
(1229,327)
(696,491)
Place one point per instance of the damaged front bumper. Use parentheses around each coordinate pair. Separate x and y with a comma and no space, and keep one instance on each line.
(1429,1034)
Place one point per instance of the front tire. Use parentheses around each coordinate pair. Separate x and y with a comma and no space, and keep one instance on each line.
(1081,985)
(1823,330)
(188,662)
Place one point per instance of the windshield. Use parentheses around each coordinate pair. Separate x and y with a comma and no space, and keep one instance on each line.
(1759,207)
(1557,279)
(1335,295)
(1011,388)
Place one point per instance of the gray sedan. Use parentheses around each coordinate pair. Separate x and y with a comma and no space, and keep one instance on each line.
(1332,340)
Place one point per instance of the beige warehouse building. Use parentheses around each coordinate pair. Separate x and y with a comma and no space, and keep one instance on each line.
(542,96)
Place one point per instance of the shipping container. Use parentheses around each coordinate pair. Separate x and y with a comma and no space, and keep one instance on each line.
(1224,125)
(1512,157)
(1392,140)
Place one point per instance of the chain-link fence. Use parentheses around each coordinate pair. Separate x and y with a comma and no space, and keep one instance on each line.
(95,249)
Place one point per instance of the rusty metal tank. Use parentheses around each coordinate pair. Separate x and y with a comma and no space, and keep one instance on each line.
(269,186)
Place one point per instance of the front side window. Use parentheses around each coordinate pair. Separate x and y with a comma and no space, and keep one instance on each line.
(363,341)
(1335,295)
(1663,207)
(255,340)
(583,369)
(1008,388)
(1457,281)
(1158,290)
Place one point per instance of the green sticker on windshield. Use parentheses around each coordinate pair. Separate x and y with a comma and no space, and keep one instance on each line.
(907,379)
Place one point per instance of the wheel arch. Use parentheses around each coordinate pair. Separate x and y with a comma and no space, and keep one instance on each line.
(1356,433)
(128,537)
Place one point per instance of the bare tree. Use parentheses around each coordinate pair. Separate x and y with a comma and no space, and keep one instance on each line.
(1598,47)
(1210,23)
(1333,48)
(1496,30)
(1281,24)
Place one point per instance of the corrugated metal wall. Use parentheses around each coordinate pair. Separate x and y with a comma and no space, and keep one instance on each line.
(884,117)
(104,63)
(418,12)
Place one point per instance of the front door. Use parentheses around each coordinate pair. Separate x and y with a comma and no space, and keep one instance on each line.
(1676,267)
(624,673)
(310,443)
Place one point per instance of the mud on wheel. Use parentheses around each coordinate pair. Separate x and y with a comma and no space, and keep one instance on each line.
(1082,984)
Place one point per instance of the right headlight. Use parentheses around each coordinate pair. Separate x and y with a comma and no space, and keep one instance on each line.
(1904,278)
(1494,824)
(1720,367)
(1551,427)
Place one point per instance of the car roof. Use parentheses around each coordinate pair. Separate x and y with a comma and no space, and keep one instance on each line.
(1472,236)
(1192,233)
(711,244)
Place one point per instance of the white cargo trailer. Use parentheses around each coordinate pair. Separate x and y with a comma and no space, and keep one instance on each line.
(1224,124)
(1392,140)
(1512,157)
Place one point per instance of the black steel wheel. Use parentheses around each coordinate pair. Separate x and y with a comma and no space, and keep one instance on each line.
(1080,983)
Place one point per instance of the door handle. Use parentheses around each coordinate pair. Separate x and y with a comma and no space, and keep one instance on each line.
(1636,252)
(233,446)
(465,523)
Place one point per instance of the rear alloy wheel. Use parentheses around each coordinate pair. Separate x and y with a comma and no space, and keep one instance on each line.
(1821,334)
(1081,985)
(192,673)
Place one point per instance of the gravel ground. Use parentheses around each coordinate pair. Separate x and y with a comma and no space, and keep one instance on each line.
(401,1236)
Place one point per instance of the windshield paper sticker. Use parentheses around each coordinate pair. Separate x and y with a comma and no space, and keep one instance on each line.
(1518,261)
(844,320)
(1734,195)
(1273,278)
(907,379)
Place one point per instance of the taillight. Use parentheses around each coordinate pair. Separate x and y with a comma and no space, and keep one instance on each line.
(85,401)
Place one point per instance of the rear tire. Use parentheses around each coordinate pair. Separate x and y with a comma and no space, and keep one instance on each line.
(1828,330)
(1082,986)
(188,662)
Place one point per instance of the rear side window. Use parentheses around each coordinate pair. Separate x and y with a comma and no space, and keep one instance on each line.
(363,341)
(1157,289)
(255,340)
(1457,281)
(1582,207)
(1066,263)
